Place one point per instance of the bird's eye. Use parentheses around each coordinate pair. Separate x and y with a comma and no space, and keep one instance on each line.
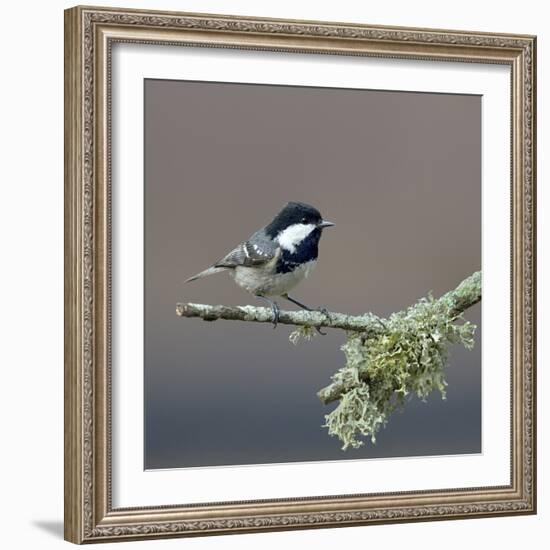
(304,220)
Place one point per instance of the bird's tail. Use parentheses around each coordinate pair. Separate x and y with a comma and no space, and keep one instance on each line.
(205,273)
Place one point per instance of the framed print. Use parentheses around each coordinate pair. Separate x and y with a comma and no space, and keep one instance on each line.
(381,370)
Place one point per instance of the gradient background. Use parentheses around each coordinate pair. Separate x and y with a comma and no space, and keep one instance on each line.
(400,175)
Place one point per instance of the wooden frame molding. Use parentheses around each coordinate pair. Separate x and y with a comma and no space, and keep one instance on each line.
(89,35)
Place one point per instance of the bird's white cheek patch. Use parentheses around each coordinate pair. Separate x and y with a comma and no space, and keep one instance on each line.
(293,235)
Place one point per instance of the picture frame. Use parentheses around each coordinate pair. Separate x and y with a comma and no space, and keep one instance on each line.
(90,514)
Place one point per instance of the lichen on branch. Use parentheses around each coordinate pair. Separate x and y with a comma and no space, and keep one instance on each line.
(454,303)
(380,372)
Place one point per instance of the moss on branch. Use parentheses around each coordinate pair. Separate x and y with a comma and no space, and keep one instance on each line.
(451,305)
(408,358)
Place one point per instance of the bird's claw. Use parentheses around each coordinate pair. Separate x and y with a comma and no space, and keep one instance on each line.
(326,313)
(276,311)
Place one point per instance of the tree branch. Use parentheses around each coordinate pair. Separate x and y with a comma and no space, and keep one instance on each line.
(368,323)
(465,295)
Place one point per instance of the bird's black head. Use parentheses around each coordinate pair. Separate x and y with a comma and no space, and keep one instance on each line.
(296,213)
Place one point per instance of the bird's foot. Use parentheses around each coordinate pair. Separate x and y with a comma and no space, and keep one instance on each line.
(274,309)
(326,313)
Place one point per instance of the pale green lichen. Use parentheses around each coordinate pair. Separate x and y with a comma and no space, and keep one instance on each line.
(408,358)
(302,333)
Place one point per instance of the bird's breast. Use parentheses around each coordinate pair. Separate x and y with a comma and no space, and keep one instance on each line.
(269,282)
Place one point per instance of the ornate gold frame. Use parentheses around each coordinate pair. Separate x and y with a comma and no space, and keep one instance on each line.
(89,34)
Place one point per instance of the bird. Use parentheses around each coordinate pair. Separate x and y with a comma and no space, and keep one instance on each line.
(276,257)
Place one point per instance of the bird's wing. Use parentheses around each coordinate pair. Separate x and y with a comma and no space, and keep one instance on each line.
(254,252)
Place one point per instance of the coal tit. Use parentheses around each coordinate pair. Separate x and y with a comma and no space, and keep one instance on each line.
(277,257)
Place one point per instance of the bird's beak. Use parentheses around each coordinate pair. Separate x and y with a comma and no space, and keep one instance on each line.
(324,224)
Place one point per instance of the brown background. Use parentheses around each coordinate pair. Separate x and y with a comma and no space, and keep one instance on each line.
(399,174)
